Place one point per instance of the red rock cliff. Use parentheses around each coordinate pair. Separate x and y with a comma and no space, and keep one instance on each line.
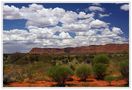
(109,48)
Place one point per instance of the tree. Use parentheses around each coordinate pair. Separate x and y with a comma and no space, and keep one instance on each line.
(60,74)
(83,71)
(99,71)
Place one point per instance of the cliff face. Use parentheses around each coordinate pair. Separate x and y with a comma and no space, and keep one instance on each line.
(109,48)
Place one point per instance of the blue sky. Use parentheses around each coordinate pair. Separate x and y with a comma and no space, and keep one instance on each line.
(114,15)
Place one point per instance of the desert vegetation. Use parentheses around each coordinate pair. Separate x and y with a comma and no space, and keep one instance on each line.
(60,74)
(20,69)
(83,71)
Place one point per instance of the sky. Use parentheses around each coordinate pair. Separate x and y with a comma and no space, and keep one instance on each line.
(60,25)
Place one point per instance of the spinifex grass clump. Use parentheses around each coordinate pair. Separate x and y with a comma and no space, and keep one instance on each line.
(60,74)
(83,71)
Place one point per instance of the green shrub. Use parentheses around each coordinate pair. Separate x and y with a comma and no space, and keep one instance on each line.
(102,58)
(124,69)
(110,78)
(60,74)
(83,71)
(99,71)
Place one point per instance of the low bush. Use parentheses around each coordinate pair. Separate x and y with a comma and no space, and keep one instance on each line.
(101,58)
(83,71)
(99,71)
(60,74)
(110,78)
(124,69)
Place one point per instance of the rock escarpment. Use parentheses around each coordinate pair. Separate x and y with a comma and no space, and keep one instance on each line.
(108,48)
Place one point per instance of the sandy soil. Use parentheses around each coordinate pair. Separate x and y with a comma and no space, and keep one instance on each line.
(91,82)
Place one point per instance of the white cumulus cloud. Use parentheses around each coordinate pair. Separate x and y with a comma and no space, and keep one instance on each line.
(117,30)
(96,8)
(11,12)
(98,24)
(125,7)
(103,15)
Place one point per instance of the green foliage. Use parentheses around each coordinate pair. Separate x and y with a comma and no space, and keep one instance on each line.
(83,71)
(101,58)
(99,70)
(60,74)
(124,69)
(110,78)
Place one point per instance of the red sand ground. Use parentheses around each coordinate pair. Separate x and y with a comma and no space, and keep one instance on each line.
(91,82)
